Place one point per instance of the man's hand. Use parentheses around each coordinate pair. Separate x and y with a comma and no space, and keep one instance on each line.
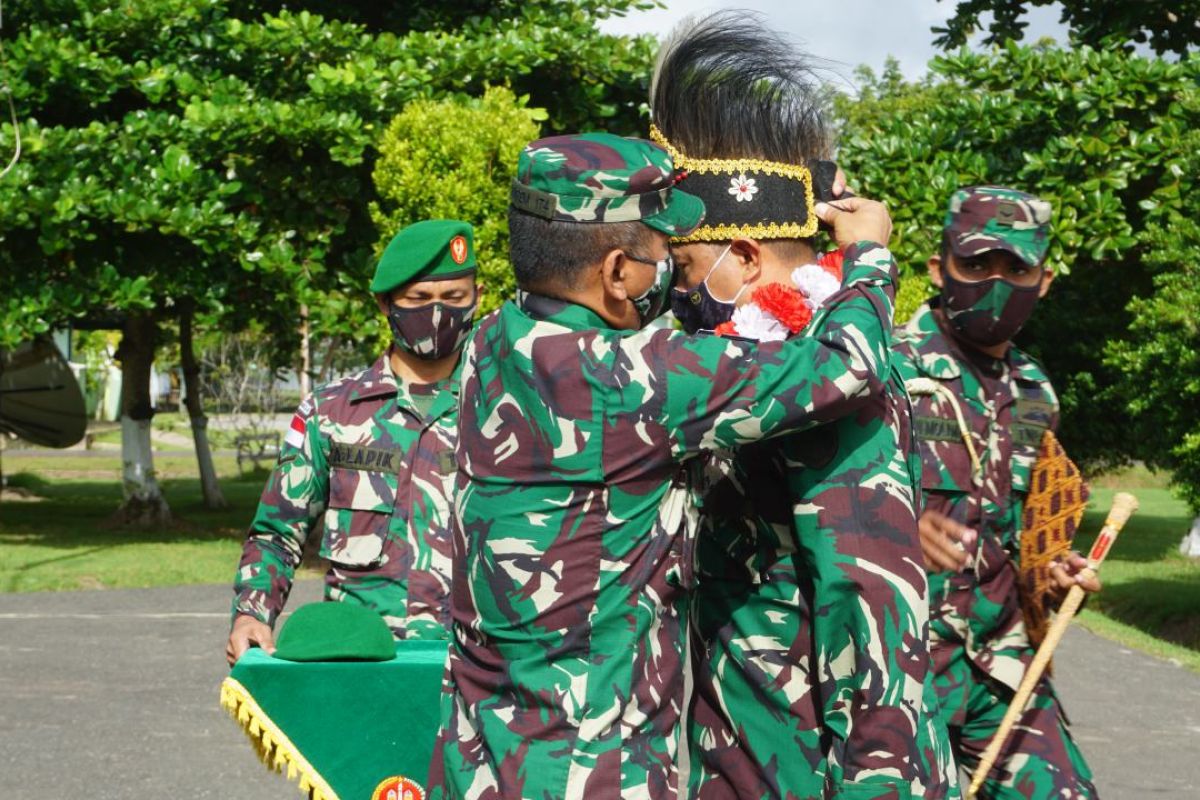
(944,542)
(1068,572)
(856,219)
(248,632)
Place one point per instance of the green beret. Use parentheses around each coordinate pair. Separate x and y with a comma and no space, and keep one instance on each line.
(332,631)
(435,249)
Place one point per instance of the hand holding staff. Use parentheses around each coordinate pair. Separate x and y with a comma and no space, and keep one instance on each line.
(1123,506)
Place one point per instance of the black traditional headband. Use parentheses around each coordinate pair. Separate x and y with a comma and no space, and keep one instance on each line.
(747,197)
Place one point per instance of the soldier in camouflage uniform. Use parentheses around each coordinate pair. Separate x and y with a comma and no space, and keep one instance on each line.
(980,409)
(372,455)
(812,668)
(573,549)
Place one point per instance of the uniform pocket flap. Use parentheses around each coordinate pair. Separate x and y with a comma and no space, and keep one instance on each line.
(945,462)
(358,516)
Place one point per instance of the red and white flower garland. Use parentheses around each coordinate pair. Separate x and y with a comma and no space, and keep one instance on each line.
(775,311)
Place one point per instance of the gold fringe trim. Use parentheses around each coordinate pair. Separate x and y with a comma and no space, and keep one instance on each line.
(734,166)
(274,748)
(775,230)
(717,166)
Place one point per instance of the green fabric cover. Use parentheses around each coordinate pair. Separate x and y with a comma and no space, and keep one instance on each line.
(435,249)
(356,722)
(334,632)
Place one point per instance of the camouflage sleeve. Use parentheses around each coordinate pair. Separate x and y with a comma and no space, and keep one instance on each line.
(726,392)
(295,495)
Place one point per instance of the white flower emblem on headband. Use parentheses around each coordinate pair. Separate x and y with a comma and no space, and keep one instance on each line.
(742,188)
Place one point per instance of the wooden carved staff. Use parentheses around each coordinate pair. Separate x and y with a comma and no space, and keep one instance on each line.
(1123,505)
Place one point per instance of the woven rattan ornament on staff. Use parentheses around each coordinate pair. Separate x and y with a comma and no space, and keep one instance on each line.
(1055,504)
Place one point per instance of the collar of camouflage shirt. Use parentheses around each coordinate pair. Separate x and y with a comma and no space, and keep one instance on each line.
(1026,367)
(561,312)
(380,381)
(377,381)
(935,358)
(938,358)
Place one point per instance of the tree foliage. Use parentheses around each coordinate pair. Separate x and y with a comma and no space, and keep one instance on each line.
(1167,26)
(1103,134)
(206,148)
(456,159)
(216,155)
(1160,358)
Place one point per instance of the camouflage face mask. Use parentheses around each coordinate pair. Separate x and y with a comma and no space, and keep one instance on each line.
(651,303)
(431,331)
(988,312)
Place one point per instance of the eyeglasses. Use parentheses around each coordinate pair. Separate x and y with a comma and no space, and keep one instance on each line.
(662,265)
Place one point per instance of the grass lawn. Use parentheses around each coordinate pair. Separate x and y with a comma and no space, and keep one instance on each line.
(1151,596)
(64,541)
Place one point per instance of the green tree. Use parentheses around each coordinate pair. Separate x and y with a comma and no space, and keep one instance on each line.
(215,157)
(1160,358)
(455,158)
(1168,26)
(1103,134)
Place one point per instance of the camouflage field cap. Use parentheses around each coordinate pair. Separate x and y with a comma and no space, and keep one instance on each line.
(982,218)
(601,177)
(430,250)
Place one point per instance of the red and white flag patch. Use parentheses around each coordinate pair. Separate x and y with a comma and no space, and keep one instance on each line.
(295,434)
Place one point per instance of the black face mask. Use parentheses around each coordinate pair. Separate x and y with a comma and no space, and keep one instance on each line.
(431,331)
(989,312)
(697,309)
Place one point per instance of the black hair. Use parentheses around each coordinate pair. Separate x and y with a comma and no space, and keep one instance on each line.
(726,86)
(550,254)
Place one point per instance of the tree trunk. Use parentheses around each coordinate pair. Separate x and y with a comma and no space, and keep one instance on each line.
(1190,546)
(305,354)
(213,498)
(326,374)
(144,504)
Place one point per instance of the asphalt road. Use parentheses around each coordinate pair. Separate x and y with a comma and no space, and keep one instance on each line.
(113,694)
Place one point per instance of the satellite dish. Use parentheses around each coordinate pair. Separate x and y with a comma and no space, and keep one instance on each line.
(40,399)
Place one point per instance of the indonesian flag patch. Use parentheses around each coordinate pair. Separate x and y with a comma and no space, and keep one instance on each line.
(295,434)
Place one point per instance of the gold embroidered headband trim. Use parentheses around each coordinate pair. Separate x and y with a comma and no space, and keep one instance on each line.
(773,230)
(721,166)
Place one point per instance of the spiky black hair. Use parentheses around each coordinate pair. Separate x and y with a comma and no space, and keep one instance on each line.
(726,86)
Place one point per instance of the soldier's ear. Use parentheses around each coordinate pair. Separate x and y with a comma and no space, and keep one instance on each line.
(615,270)
(748,255)
(934,265)
(1047,279)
